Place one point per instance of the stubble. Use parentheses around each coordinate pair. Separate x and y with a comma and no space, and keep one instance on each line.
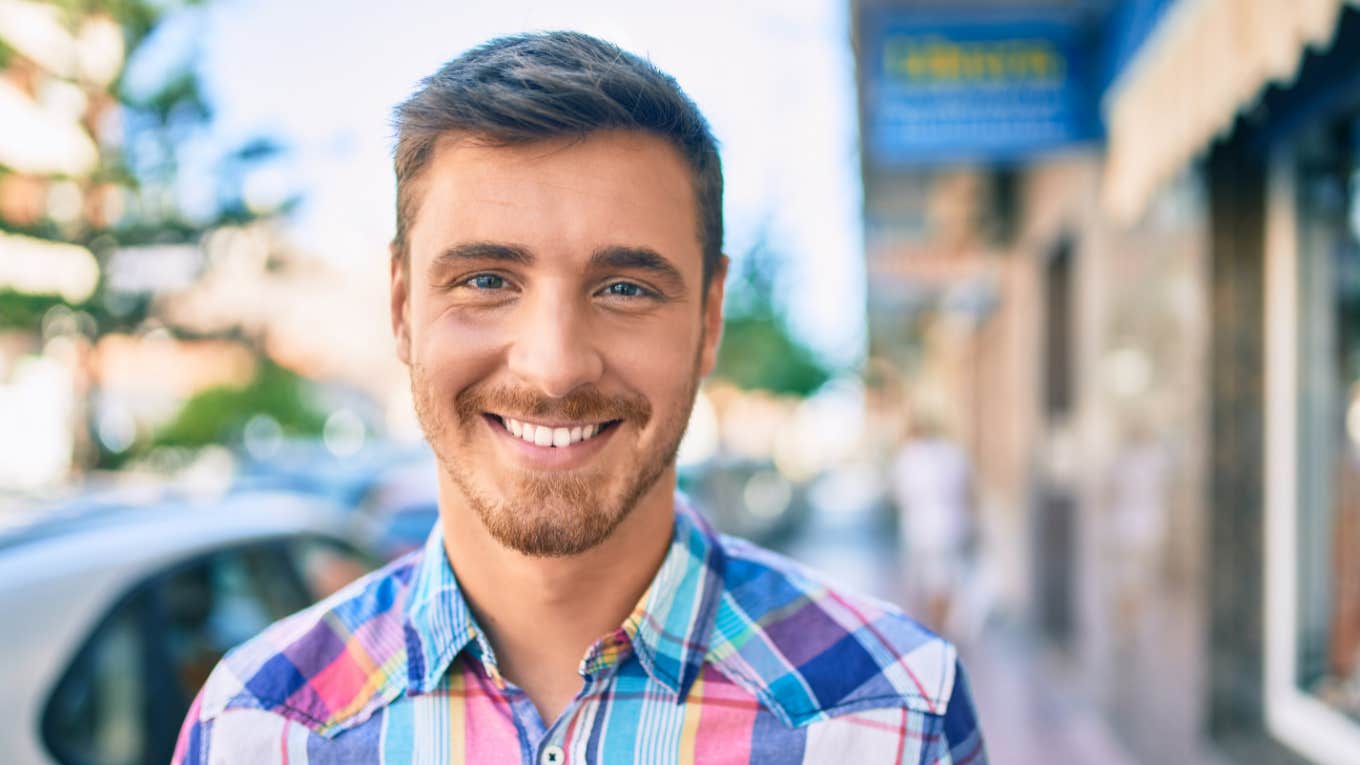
(550,513)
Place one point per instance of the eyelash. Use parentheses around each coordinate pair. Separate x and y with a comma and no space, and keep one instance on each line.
(642,292)
(469,282)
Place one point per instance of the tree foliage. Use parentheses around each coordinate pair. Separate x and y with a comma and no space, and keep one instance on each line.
(758,350)
(218,415)
(163,123)
(159,122)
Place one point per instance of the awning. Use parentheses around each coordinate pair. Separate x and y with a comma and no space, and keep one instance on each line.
(1206,61)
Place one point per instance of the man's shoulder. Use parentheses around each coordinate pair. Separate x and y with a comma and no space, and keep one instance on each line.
(811,650)
(327,667)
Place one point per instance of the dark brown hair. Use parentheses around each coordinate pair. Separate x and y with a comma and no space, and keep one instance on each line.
(532,87)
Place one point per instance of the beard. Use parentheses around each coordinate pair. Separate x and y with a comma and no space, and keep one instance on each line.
(550,513)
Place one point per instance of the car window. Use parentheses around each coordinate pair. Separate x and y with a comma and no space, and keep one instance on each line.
(121,700)
(325,566)
(96,715)
(221,601)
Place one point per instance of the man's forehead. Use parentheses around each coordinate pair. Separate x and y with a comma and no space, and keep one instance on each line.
(628,184)
(617,139)
(616,154)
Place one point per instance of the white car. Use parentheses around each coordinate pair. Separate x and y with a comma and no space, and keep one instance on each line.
(114,615)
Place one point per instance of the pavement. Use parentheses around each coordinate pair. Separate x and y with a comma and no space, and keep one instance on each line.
(1032,710)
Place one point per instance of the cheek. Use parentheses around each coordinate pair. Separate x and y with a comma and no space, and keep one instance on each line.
(454,352)
(659,365)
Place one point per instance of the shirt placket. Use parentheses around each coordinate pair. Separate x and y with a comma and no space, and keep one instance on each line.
(552,748)
(529,727)
(540,744)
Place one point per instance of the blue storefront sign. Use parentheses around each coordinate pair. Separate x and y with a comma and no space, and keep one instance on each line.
(982,87)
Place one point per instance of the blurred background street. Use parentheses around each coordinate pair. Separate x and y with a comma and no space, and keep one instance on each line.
(1043,322)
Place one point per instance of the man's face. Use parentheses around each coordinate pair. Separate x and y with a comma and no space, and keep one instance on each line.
(553,320)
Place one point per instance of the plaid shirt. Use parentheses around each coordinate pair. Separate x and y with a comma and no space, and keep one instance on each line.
(733,655)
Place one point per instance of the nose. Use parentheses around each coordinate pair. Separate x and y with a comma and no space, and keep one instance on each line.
(554,349)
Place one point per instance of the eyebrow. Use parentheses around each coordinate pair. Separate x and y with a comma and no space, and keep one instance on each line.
(605,258)
(640,258)
(480,252)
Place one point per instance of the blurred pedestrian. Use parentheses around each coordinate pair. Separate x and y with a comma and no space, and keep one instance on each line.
(932,485)
(1139,488)
(556,292)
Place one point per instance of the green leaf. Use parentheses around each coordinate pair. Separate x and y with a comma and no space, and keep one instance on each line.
(218,415)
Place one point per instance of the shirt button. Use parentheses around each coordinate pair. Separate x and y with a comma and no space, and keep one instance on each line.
(552,755)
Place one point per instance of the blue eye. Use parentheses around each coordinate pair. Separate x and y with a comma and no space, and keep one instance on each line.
(625,289)
(487,282)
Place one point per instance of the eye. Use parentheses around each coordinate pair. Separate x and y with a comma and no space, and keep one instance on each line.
(486,282)
(626,290)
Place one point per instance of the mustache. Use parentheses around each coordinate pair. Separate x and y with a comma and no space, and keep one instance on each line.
(584,404)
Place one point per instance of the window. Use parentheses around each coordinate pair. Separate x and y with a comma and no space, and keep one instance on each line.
(1312,613)
(97,714)
(221,601)
(122,699)
(1327,657)
(325,567)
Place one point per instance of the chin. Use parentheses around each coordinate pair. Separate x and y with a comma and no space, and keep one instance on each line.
(554,516)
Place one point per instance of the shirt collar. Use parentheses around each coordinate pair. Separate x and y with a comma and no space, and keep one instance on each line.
(668,630)
(439,624)
(670,627)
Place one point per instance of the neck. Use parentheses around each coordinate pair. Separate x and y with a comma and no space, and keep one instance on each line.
(540,614)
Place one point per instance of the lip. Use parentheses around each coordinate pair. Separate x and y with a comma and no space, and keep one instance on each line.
(548,457)
(544,423)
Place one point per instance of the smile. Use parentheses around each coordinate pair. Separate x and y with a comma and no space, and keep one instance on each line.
(553,435)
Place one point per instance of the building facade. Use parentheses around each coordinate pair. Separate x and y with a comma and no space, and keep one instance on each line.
(1145,333)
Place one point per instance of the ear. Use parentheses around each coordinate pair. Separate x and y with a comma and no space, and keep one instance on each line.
(713,317)
(399,305)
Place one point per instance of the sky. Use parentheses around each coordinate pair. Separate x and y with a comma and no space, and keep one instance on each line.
(775,79)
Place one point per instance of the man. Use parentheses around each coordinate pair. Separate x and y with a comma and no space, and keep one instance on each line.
(557,285)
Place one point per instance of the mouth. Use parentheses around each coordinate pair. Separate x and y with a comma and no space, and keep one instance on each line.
(560,435)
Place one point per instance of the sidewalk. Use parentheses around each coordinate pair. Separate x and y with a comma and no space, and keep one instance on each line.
(1029,715)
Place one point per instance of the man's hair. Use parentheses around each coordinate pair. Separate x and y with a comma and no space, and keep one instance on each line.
(531,87)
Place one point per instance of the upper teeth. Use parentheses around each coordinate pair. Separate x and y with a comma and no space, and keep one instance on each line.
(542,435)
